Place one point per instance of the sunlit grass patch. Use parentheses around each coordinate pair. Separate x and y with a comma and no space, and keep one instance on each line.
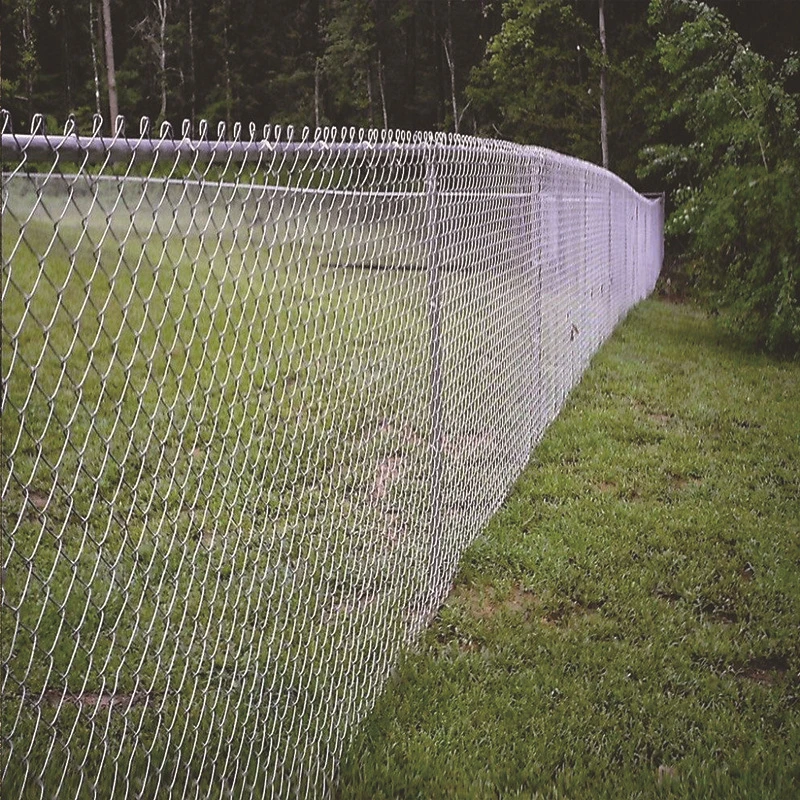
(628,626)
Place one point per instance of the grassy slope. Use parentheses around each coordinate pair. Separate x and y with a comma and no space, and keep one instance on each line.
(629,625)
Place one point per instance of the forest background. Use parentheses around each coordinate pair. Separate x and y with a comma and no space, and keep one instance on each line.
(700,100)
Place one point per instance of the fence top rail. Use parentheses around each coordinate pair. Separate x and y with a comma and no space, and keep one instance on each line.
(96,149)
(237,146)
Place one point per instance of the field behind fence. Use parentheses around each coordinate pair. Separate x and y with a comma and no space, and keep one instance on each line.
(258,396)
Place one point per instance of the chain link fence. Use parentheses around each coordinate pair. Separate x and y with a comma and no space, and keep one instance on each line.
(259,392)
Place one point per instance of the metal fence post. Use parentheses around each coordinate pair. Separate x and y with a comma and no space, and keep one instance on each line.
(535,259)
(433,269)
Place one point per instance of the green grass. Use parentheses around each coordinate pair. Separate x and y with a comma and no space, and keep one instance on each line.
(200,579)
(629,624)
(184,414)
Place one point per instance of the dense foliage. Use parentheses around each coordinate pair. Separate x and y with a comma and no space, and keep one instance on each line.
(701,98)
(735,171)
(548,39)
(340,62)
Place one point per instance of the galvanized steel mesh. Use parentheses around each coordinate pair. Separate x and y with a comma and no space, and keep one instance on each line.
(258,394)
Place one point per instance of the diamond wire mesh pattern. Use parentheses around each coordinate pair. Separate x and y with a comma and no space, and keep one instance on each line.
(259,393)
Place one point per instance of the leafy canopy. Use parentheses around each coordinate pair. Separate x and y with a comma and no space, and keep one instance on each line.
(734,170)
(539,76)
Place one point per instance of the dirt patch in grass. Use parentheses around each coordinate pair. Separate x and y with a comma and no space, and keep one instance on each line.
(37,499)
(766,670)
(661,418)
(520,600)
(678,481)
(724,614)
(99,700)
(388,471)
(748,572)
(485,603)
(571,612)
(469,646)
(349,606)
(475,600)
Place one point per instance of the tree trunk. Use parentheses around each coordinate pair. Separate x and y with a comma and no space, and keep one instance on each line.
(228,82)
(94,30)
(603,111)
(226,64)
(67,54)
(451,64)
(368,74)
(379,53)
(193,96)
(442,100)
(29,56)
(111,72)
(316,91)
(382,86)
(161,5)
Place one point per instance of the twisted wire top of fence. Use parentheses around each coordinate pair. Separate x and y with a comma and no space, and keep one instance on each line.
(259,392)
(258,146)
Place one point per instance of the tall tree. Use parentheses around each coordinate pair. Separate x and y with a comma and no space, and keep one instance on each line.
(351,60)
(192,72)
(603,108)
(162,7)
(111,72)
(94,29)
(450,55)
(153,30)
(29,60)
(223,93)
(536,81)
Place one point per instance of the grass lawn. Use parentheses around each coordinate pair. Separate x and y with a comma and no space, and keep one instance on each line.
(629,623)
(216,474)
(187,454)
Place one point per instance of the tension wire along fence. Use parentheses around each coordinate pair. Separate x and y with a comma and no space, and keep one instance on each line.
(258,396)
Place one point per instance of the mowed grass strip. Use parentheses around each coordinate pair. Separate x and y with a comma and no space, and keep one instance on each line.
(629,624)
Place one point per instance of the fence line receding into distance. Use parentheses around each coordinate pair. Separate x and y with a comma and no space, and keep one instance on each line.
(258,395)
